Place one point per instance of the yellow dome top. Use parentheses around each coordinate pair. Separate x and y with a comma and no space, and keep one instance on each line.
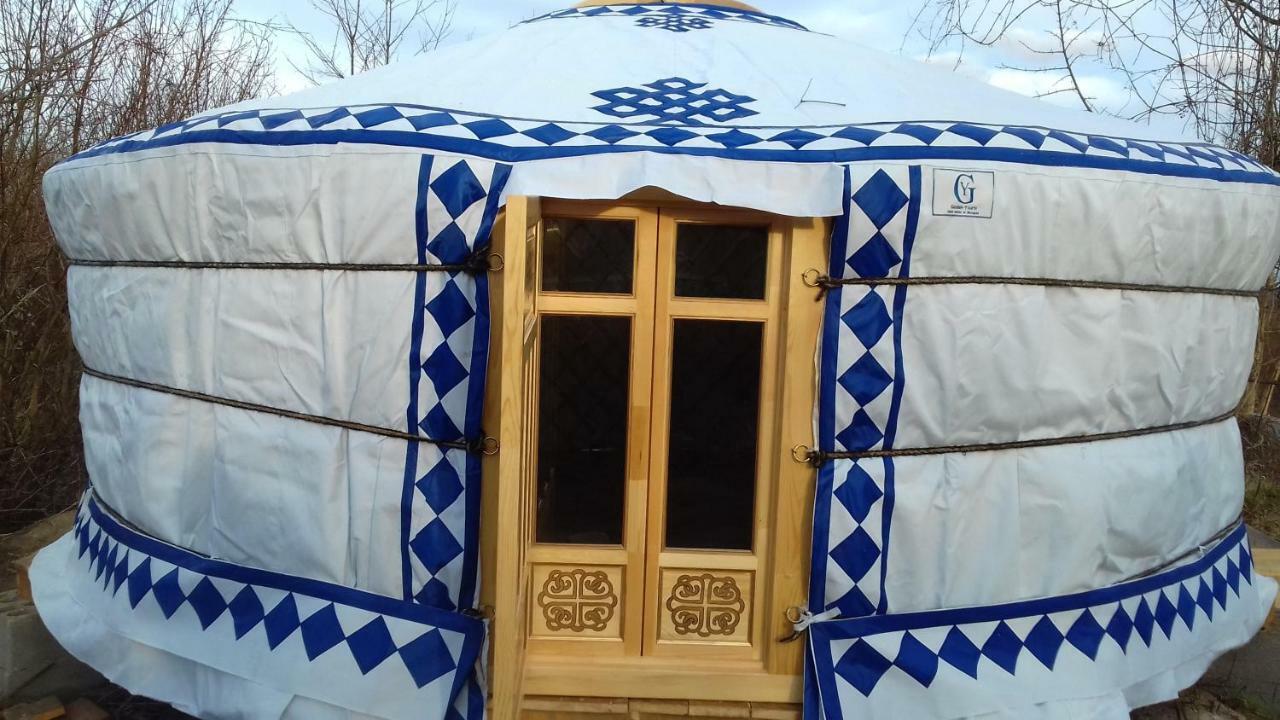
(721,3)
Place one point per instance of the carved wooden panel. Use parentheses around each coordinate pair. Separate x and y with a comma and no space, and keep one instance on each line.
(577,601)
(711,606)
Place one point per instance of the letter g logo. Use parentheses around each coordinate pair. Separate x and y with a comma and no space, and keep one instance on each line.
(963,189)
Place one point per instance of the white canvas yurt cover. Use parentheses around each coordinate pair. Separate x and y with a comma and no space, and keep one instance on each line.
(1037,324)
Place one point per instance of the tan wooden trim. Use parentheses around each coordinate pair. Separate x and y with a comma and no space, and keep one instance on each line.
(564,304)
(792,502)
(505,471)
(580,554)
(713,309)
(718,559)
(658,679)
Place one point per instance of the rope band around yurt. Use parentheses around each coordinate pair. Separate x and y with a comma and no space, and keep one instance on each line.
(483,445)
(481,261)
(802,453)
(816,279)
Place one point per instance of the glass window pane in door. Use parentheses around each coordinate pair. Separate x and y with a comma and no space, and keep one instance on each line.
(715,413)
(588,255)
(584,371)
(721,261)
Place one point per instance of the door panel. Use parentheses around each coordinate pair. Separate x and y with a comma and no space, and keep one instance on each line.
(652,530)
(595,304)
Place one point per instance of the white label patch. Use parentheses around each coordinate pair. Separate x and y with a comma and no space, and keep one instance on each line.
(964,193)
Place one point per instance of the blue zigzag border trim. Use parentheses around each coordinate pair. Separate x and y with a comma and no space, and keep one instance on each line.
(121,559)
(862,666)
(512,140)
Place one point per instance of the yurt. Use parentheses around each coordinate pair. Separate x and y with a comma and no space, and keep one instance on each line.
(659,359)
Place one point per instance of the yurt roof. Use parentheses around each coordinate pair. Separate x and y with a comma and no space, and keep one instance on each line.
(696,80)
(566,66)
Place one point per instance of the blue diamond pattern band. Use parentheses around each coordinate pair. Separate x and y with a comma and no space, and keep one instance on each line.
(1028,652)
(313,638)
(672,17)
(514,140)
(456,206)
(861,383)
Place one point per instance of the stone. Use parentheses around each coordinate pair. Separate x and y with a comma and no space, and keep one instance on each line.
(32,663)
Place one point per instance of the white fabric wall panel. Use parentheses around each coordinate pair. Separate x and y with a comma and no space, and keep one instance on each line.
(318,205)
(984,528)
(250,488)
(324,343)
(1083,224)
(1001,363)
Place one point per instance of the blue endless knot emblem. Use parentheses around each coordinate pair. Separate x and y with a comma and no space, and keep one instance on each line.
(675,23)
(674,100)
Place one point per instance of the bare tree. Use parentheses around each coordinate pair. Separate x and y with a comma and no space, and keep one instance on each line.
(1212,62)
(73,73)
(370,33)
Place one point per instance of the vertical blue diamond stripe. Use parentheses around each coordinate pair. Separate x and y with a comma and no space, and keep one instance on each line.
(458,200)
(861,383)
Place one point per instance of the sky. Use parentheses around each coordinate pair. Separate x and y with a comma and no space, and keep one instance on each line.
(883,24)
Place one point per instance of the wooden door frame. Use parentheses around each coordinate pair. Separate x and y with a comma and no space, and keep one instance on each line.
(786,491)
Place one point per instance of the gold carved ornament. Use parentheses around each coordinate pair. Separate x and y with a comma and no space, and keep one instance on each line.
(578,600)
(705,605)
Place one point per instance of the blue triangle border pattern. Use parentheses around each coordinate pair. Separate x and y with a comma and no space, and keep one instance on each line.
(509,140)
(970,661)
(330,642)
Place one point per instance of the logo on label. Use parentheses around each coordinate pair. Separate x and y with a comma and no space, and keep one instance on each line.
(963,189)
(964,193)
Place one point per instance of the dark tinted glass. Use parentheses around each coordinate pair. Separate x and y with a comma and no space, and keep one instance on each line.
(715,407)
(582,428)
(721,261)
(588,256)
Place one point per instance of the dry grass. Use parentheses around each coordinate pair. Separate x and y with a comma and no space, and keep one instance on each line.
(1261,440)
